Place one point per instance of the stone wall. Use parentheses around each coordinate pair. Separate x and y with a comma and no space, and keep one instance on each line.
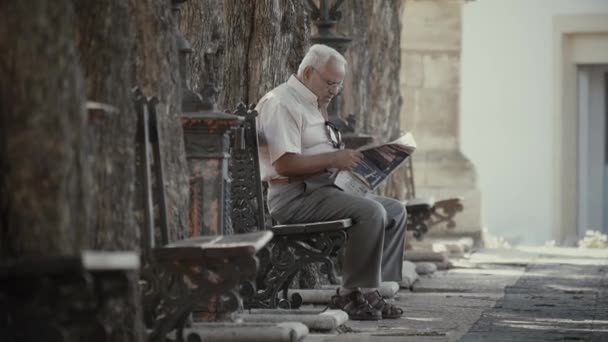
(430,88)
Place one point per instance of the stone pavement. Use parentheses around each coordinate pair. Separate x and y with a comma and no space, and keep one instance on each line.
(520,294)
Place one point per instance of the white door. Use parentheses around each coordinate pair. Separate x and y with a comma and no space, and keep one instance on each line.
(592,211)
(605,209)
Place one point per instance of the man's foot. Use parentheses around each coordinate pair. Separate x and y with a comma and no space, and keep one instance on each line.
(388,310)
(355,305)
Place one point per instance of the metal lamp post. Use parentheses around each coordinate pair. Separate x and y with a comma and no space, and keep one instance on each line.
(325,18)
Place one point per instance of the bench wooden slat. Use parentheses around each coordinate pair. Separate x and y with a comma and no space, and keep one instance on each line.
(247,244)
(419,203)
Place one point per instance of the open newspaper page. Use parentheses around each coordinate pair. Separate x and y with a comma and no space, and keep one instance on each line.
(377,164)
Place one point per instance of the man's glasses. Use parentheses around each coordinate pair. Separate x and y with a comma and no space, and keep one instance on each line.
(335,86)
(334,135)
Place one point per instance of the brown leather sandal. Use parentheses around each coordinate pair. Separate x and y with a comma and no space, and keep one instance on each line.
(387,309)
(355,305)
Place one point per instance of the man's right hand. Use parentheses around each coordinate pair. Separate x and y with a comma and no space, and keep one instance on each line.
(346,159)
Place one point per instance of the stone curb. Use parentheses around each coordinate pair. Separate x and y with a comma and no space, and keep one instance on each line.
(248,332)
(328,320)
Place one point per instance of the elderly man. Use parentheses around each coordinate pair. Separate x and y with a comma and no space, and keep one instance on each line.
(300,151)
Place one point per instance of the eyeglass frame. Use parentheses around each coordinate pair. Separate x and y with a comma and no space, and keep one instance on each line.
(330,84)
(335,136)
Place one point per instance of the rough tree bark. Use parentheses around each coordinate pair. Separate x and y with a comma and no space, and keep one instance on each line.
(156,72)
(50,202)
(372,86)
(202,23)
(104,37)
(43,178)
(105,42)
(253,45)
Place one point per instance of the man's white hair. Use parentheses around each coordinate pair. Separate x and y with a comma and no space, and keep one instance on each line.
(318,55)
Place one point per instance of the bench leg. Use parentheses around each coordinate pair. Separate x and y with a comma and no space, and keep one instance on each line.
(418,222)
(283,258)
(172,292)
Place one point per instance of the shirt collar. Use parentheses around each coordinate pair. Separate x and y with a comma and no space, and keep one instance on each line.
(302,91)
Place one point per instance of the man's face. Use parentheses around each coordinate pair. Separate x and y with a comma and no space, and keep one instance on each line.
(325,82)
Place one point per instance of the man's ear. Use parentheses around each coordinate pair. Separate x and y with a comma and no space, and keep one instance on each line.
(307,74)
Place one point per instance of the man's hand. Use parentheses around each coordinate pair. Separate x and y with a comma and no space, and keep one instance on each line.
(346,159)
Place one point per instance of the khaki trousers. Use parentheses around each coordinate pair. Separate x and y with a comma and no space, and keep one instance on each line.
(374,249)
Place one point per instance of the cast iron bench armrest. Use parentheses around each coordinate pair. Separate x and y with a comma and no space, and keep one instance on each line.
(313,227)
(445,210)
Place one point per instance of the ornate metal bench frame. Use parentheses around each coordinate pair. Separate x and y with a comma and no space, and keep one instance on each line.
(294,245)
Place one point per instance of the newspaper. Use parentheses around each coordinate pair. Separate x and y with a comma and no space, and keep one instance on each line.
(377,164)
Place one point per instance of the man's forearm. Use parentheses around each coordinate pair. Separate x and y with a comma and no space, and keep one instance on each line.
(291,164)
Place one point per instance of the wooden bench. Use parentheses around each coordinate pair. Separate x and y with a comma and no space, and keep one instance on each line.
(63,298)
(294,246)
(181,276)
(424,213)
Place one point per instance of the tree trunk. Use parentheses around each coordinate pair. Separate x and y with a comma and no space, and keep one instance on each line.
(202,23)
(280,38)
(105,36)
(256,46)
(156,72)
(43,174)
(245,47)
(372,86)
(105,40)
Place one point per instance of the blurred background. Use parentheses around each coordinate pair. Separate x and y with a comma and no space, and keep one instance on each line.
(534,115)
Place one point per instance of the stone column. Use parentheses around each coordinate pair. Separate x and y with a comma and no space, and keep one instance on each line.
(430,86)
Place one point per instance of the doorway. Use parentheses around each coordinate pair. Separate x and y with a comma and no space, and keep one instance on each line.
(592,182)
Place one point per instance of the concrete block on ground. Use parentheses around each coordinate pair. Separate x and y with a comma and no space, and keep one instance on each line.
(316,296)
(416,256)
(248,332)
(455,250)
(315,320)
(444,265)
(409,275)
(388,289)
(425,268)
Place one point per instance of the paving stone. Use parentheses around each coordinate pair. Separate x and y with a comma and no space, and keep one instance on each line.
(550,302)
(499,295)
